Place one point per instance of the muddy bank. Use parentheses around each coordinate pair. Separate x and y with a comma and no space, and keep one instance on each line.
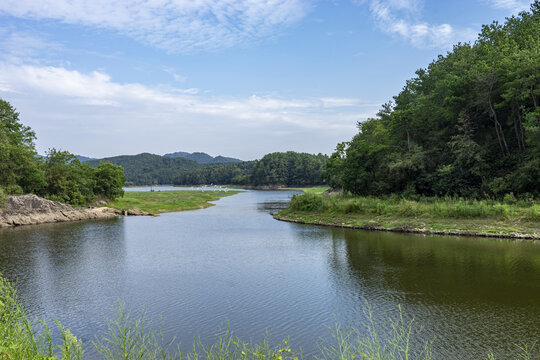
(32,210)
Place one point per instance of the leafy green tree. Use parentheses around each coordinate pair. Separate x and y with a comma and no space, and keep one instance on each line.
(109,180)
(68,180)
(467,125)
(18,166)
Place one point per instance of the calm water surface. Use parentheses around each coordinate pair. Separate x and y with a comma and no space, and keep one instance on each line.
(234,264)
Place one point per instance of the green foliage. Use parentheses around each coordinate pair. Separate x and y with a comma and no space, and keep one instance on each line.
(289,169)
(233,173)
(403,342)
(3,196)
(149,169)
(68,180)
(21,338)
(59,176)
(467,125)
(203,158)
(457,208)
(17,162)
(109,180)
(275,169)
(306,202)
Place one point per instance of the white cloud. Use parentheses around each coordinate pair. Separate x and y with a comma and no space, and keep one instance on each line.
(513,5)
(73,105)
(393,16)
(174,25)
(17,45)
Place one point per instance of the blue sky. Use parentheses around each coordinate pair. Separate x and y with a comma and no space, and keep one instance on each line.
(237,78)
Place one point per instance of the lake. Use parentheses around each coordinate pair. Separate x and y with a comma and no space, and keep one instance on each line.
(234,265)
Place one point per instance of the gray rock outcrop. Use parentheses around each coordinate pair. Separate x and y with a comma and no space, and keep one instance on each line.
(31,209)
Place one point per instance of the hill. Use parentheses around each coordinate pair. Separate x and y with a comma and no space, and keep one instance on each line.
(149,169)
(203,158)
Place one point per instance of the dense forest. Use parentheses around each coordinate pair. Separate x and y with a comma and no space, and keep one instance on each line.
(231,173)
(275,169)
(203,158)
(149,169)
(467,125)
(290,169)
(58,176)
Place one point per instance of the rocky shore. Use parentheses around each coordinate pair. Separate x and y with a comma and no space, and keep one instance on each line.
(31,210)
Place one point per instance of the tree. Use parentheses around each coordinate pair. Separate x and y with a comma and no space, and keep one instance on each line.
(68,180)
(109,180)
(18,166)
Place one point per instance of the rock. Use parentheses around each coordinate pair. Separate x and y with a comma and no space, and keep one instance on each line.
(137,212)
(31,209)
(33,203)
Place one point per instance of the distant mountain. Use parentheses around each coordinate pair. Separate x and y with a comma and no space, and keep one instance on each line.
(84,158)
(149,169)
(202,158)
(80,157)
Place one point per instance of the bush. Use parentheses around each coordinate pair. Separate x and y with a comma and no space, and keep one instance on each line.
(14,190)
(3,196)
(307,202)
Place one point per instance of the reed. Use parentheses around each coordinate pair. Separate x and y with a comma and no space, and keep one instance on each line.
(130,336)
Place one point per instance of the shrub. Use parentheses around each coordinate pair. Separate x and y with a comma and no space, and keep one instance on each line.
(3,196)
(14,190)
(307,202)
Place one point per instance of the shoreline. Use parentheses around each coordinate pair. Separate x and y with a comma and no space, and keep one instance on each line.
(34,210)
(407,227)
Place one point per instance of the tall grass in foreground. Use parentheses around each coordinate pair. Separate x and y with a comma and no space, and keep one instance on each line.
(423,207)
(129,337)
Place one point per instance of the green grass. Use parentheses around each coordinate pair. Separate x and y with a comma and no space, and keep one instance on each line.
(482,217)
(127,336)
(310,190)
(157,202)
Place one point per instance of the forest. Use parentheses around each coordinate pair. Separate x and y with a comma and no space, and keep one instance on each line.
(58,176)
(149,169)
(274,169)
(468,125)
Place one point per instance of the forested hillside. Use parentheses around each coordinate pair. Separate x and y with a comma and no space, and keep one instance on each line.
(467,125)
(149,169)
(288,169)
(232,173)
(203,158)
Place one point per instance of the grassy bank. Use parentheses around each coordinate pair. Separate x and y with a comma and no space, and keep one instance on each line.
(429,215)
(310,190)
(157,202)
(128,337)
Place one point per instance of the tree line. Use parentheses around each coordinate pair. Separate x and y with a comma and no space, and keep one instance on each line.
(467,125)
(274,169)
(58,176)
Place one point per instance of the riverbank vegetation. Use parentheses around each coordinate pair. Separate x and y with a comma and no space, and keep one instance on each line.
(457,150)
(310,190)
(433,215)
(156,202)
(59,176)
(128,337)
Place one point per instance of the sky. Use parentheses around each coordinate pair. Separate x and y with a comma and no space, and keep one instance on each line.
(239,78)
